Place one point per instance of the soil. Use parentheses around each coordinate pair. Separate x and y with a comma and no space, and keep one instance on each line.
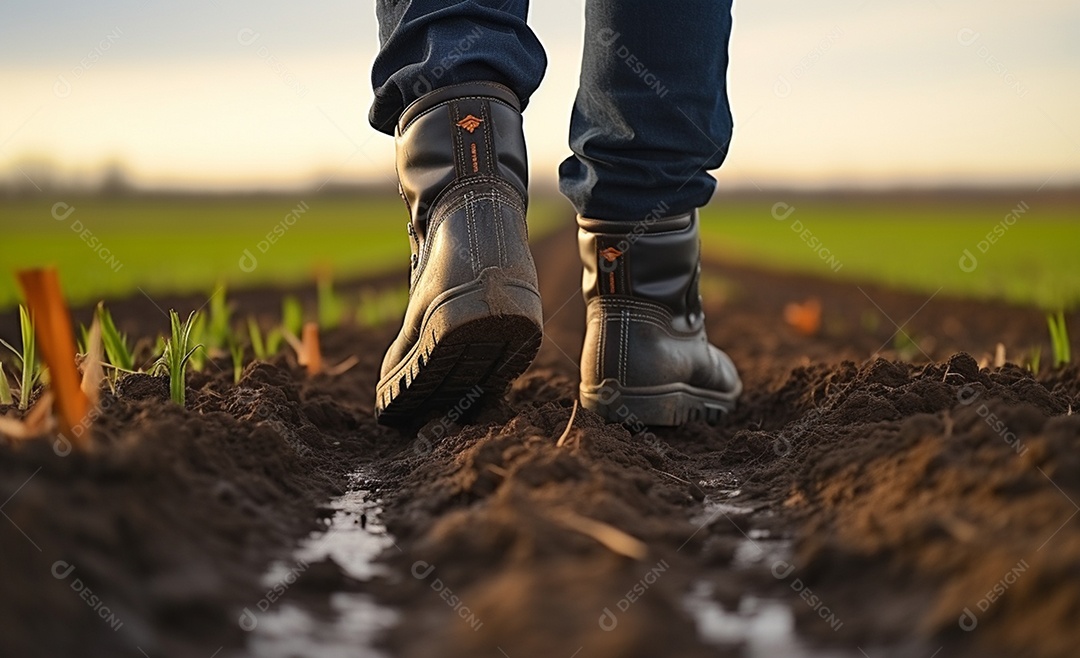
(883,496)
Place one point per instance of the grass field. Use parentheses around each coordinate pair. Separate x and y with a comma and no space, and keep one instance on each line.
(1023,251)
(111,247)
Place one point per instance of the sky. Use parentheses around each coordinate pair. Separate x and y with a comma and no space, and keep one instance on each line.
(244,94)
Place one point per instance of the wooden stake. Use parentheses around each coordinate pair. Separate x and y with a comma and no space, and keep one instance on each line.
(56,341)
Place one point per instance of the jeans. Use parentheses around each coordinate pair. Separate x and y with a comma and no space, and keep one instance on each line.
(651,115)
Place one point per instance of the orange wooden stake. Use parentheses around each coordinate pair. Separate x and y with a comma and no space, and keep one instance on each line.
(804,318)
(310,355)
(56,341)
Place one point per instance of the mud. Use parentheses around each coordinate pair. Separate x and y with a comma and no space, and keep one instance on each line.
(871,495)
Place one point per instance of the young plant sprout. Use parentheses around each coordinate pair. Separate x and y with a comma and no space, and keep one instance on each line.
(257,344)
(1035,359)
(264,348)
(117,350)
(198,334)
(331,306)
(236,350)
(29,368)
(292,315)
(56,342)
(1059,339)
(219,330)
(5,389)
(178,351)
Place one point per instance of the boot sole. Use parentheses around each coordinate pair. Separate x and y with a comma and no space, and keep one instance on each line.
(475,341)
(659,406)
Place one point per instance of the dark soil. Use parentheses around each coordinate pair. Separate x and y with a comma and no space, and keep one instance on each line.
(895,496)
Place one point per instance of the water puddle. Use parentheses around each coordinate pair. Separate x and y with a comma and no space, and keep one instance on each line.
(761,626)
(348,624)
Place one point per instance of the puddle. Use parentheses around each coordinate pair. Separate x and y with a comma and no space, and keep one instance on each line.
(350,623)
(717,506)
(762,626)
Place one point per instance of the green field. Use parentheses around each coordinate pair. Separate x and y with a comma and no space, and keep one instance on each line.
(111,247)
(1033,258)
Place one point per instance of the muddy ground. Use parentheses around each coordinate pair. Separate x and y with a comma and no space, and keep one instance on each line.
(877,493)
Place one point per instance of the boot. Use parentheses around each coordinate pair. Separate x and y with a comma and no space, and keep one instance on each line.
(646,359)
(473,322)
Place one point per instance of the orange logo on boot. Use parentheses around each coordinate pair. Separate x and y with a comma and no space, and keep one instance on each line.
(470,123)
(610,254)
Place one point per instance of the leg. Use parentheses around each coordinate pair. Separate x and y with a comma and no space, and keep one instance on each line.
(651,115)
(650,119)
(449,83)
(427,44)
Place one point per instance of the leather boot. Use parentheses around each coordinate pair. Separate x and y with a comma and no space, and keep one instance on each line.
(473,322)
(646,358)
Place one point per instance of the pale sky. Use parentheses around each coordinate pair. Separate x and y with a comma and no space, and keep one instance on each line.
(929,91)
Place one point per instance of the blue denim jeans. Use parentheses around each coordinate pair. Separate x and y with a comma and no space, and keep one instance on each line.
(651,115)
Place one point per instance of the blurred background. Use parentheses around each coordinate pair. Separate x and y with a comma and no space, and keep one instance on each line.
(159,145)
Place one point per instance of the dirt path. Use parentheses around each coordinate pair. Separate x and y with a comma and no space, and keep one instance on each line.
(851,506)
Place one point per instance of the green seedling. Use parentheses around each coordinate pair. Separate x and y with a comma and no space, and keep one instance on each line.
(236,350)
(906,346)
(178,351)
(274,339)
(377,307)
(257,344)
(263,347)
(5,389)
(219,331)
(1059,339)
(29,368)
(292,315)
(198,335)
(117,350)
(1035,359)
(331,306)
